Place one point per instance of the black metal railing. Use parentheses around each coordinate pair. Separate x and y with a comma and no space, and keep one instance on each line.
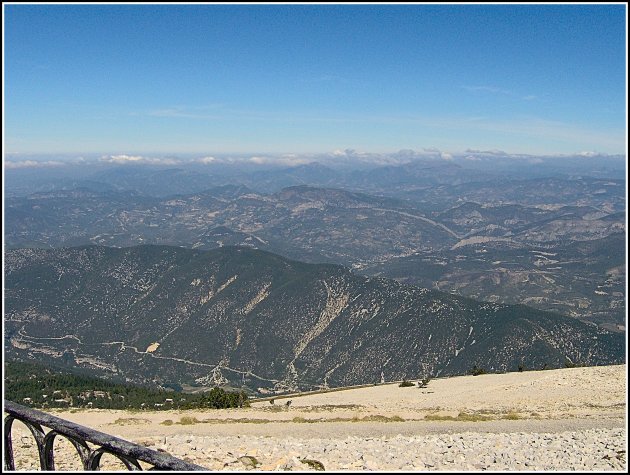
(128,453)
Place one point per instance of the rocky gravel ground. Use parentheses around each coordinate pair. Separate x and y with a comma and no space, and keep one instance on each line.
(585,450)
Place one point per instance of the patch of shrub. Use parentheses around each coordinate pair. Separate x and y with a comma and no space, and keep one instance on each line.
(123,421)
(370,418)
(476,370)
(462,416)
(406,384)
(437,417)
(316,464)
(570,364)
(467,417)
(249,461)
(512,416)
(380,418)
(187,420)
(299,419)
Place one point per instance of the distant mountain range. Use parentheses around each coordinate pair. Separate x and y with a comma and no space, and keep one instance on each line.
(491,249)
(582,279)
(405,173)
(246,317)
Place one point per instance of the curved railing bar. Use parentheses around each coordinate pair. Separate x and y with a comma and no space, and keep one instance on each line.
(80,446)
(128,452)
(38,435)
(94,460)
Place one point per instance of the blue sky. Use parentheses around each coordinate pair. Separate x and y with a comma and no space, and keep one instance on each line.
(537,79)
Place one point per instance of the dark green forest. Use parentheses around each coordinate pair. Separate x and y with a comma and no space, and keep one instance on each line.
(38,386)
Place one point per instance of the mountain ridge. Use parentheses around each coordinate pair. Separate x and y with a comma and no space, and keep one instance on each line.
(250,317)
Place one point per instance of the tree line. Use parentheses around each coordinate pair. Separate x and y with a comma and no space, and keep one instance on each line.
(38,386)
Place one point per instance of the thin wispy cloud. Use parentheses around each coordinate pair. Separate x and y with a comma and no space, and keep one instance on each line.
(500,91)
(282,160)
(214,113)
(205,112)
(530,127)
(206,160)
(555,130)
(492,89)
(14,165)
(326,78)
(588,154)
(138,159)
(181,113)
(486,152)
